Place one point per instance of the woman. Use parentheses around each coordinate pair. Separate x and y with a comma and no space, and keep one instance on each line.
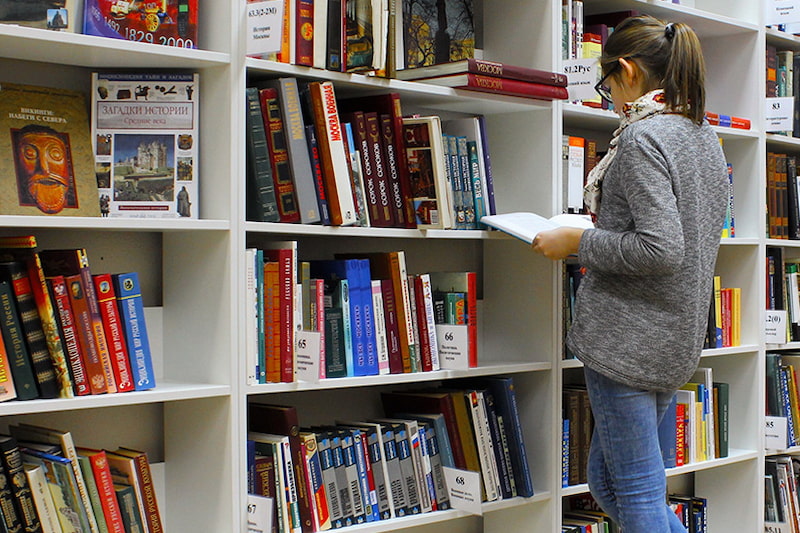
(659,198)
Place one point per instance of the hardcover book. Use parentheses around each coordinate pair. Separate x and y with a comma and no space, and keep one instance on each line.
(105,488)
(131,308)
(45,128)
(113,327)
(144,479)
(506,86)
(56,15)
(129,509)
(484,67)
(262,205)
(45,507)
(7,389)
(145,135)
(429,186)
(14,341)
(440,31)
(11,459)
(282,177)
(168,22)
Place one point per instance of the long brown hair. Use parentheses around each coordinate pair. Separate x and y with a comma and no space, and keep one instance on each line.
(670,57)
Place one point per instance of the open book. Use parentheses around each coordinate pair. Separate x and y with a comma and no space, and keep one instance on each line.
(526,226)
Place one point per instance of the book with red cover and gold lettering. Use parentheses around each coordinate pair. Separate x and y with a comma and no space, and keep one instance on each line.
(70,334)
(114,330)
(484,67)
(506,86)
(105,487)
(282,178)
(144,479)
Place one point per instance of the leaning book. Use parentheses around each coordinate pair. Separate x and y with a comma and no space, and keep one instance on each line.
(526,226)
(145,136)
(45,152)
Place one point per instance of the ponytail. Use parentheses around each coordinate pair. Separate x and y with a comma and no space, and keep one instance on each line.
(670,58)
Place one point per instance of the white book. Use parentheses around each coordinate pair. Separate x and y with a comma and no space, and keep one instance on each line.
(380,327)
(320,34)
(427,302)
(526,226)
(483,439)
(251,316)
(45,507)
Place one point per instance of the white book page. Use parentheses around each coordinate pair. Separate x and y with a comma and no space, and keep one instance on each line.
(526,226)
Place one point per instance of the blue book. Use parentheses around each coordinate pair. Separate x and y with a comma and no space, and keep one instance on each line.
(369,496)
(129,299)
(370,341)
(251,466)
(357,497)
(667,434)
(442,437)
(360,303)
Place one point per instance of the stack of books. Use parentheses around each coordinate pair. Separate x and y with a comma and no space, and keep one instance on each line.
(492,77)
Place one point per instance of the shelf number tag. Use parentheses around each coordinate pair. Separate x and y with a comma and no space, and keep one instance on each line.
(264,26)
(307,355)
(779,114)
(464,487)
(453,343)
(775,327)
(781,11)
(259,514)
(775,433)
(582,76)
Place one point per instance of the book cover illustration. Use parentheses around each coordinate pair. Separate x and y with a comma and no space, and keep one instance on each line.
(439,31)
(425,155)
(45,152)
(145,132)
(56,15)
(164,22)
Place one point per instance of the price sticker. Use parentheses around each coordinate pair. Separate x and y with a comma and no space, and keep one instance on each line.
(259,514)
(582,77)
(781,12)
(775,326)
(307,355)
(264,26)
(779,114)
(464,487)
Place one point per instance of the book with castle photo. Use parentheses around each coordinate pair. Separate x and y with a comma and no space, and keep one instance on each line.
(145,137)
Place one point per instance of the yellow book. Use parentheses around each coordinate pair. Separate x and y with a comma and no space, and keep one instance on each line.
(736,310)
(718,309)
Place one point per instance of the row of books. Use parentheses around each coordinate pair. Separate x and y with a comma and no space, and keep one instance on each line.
(169,23)
(359,471)
(583,515)
(782,71)
(783,197)
(579,155)
(66,332)
(783,398)
(50,485)
(695,427)
(781,500)
(315,159)
(783,289)
(724,328)
(367,313)
(376,36)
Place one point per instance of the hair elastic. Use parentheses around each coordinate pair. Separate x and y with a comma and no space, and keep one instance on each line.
(669,31)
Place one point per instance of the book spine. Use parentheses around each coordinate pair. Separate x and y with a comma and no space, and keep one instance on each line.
(368,168)
(31,326)
(316,172)
(70,335)
(105,487)
(422,322)
(394,478)
(332,154)
(49,322)
(304,33)
(295,130)
(381,347)
(407,472)
(318,293)
(20,489)
(262,203)
(366,479)
(393,340)
(149,494)
(485,453)
(465,171)
(392,165)
(368,312)
(515,72)
(112,325)
(316,485)
(516,87)
(94,367)
(433,341)
(13,337)
(93,493)
(406,324)
(8,509)
(478,194)
(356,176)
(131,518)
(351,474)
(7,389)
(278,155)
(48,515)
(131,306)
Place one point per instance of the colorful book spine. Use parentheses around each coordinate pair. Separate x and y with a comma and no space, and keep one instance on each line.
(112,325)
(278,155)
(21,494)
(83,320)
(262,205)
(316,172)
(7,389)
(105,487)
(14,339)
(129,509)
(70,335)
(131,307)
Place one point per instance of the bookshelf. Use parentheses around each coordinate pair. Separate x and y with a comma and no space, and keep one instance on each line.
(193,425)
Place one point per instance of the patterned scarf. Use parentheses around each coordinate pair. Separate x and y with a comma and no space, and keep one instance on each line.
(647,105)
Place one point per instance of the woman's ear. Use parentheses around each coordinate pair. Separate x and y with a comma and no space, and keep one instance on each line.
(629,71)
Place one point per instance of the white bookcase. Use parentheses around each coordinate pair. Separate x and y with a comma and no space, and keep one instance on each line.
(193,425)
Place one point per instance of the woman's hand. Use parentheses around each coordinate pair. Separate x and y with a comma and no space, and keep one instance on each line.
(558,243)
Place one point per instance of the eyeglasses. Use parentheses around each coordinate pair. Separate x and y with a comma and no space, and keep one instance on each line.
(604,90)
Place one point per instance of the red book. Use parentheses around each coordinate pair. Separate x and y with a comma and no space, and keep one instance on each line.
(727,314)
(304,33)
(105,487)
(422,325)
(76,262)
(392,327)
(272,322)
(70,336)
(740,123)
(680,434)
(285,253)
(386,191)
(484,67)
(113,328)
(375,193)
(278,155)
(488,84)
(318,292)
(83,323)
(139,466)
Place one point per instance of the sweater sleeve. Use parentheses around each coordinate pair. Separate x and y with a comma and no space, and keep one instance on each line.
(654,243)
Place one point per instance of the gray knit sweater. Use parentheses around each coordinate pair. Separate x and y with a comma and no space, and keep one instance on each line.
(642,308)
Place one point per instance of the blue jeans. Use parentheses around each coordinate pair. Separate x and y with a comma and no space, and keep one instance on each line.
(626,470)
